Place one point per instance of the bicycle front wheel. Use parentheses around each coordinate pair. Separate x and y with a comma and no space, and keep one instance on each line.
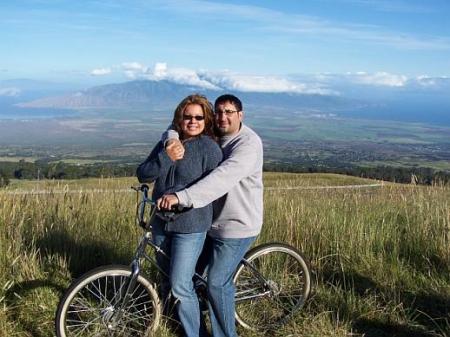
(93,306)
(272,283)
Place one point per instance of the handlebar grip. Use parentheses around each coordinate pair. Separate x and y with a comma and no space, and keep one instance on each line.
(178,208)
(144,187)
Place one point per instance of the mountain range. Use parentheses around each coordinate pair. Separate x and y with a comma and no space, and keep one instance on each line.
(162,94)
(156,95)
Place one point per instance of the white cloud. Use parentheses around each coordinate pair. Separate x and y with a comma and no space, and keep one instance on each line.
(319,84)
(160,69)
(101,71)
(392,6)
(134,70)
(222,80)
(258,83)
(432,82)
(294,24)
(426,81)
(181,76)
(135,66)
(10,92)
(379,79)
(366,81)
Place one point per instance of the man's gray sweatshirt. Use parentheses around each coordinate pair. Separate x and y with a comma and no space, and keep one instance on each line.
(235,185)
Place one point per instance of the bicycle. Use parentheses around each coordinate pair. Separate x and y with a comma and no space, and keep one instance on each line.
(272,282)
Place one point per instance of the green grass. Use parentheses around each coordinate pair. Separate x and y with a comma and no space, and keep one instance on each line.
(348,129)
(78,184)
(380,256)
(76,161)
(440,165)
(16,159)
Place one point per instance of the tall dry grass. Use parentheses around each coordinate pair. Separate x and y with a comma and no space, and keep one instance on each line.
(380,256)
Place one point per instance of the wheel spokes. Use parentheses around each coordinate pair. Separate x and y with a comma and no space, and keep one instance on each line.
(265,304)
(95,306)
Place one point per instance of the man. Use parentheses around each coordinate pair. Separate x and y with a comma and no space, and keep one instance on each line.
(236,188)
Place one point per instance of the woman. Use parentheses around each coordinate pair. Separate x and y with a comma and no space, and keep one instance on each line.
(183,237)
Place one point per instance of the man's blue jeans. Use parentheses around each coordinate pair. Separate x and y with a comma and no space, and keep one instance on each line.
(184,250)
(224,256)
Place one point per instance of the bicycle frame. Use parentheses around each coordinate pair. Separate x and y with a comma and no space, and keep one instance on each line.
(260,278)
(146,241)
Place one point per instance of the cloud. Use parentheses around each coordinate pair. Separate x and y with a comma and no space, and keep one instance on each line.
(433,82)
(160,71)
(134,66)
(317,84)
(314,84)
(101,71)
(182,76)
(10,92)
(331,80)
(294,24)
(258,83)
(222,80)
(134,70)
(392,6)
(426,81)
(378,79)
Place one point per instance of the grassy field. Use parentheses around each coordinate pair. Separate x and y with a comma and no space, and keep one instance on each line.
(300,127)
(380,255)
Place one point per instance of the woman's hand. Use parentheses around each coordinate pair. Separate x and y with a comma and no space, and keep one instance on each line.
(167,201)
(174,149)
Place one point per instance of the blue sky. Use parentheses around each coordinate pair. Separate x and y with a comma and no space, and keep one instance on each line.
(241,44)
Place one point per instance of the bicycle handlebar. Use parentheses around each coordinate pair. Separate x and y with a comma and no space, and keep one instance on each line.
(166,215)
(141,220)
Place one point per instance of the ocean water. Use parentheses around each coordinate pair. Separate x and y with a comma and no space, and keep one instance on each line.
(434,113)
(10,111)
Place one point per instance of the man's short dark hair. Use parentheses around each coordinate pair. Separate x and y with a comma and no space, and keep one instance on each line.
(229,98)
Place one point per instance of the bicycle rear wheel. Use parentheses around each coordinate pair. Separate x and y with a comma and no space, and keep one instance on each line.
(91,305)
(271,286)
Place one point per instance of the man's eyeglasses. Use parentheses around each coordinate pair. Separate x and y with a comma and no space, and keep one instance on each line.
(227,112)
(189,117)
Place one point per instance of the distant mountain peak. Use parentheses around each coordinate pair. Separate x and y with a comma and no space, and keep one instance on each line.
(165,93)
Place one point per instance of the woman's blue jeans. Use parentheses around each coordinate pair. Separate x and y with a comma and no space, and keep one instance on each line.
(184,250)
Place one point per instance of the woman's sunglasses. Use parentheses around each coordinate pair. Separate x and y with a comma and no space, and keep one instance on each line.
(189,117)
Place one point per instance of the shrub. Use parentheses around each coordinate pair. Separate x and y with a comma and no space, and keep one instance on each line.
(4,180)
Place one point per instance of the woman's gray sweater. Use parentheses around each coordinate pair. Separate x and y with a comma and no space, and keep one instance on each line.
(202,154)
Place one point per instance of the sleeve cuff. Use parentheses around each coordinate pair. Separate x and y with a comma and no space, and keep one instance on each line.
(183,198)
(168,135)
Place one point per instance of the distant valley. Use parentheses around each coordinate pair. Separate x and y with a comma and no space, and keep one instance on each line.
(121,122)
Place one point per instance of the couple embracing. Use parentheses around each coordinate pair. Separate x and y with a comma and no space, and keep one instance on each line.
(211,162)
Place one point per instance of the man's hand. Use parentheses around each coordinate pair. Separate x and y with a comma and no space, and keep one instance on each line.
(174,149)
(167,201)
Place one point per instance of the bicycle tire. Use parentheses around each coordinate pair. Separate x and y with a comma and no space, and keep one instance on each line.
(267,305)
(87,307)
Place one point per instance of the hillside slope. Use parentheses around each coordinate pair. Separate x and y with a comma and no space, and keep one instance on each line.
(380,255)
